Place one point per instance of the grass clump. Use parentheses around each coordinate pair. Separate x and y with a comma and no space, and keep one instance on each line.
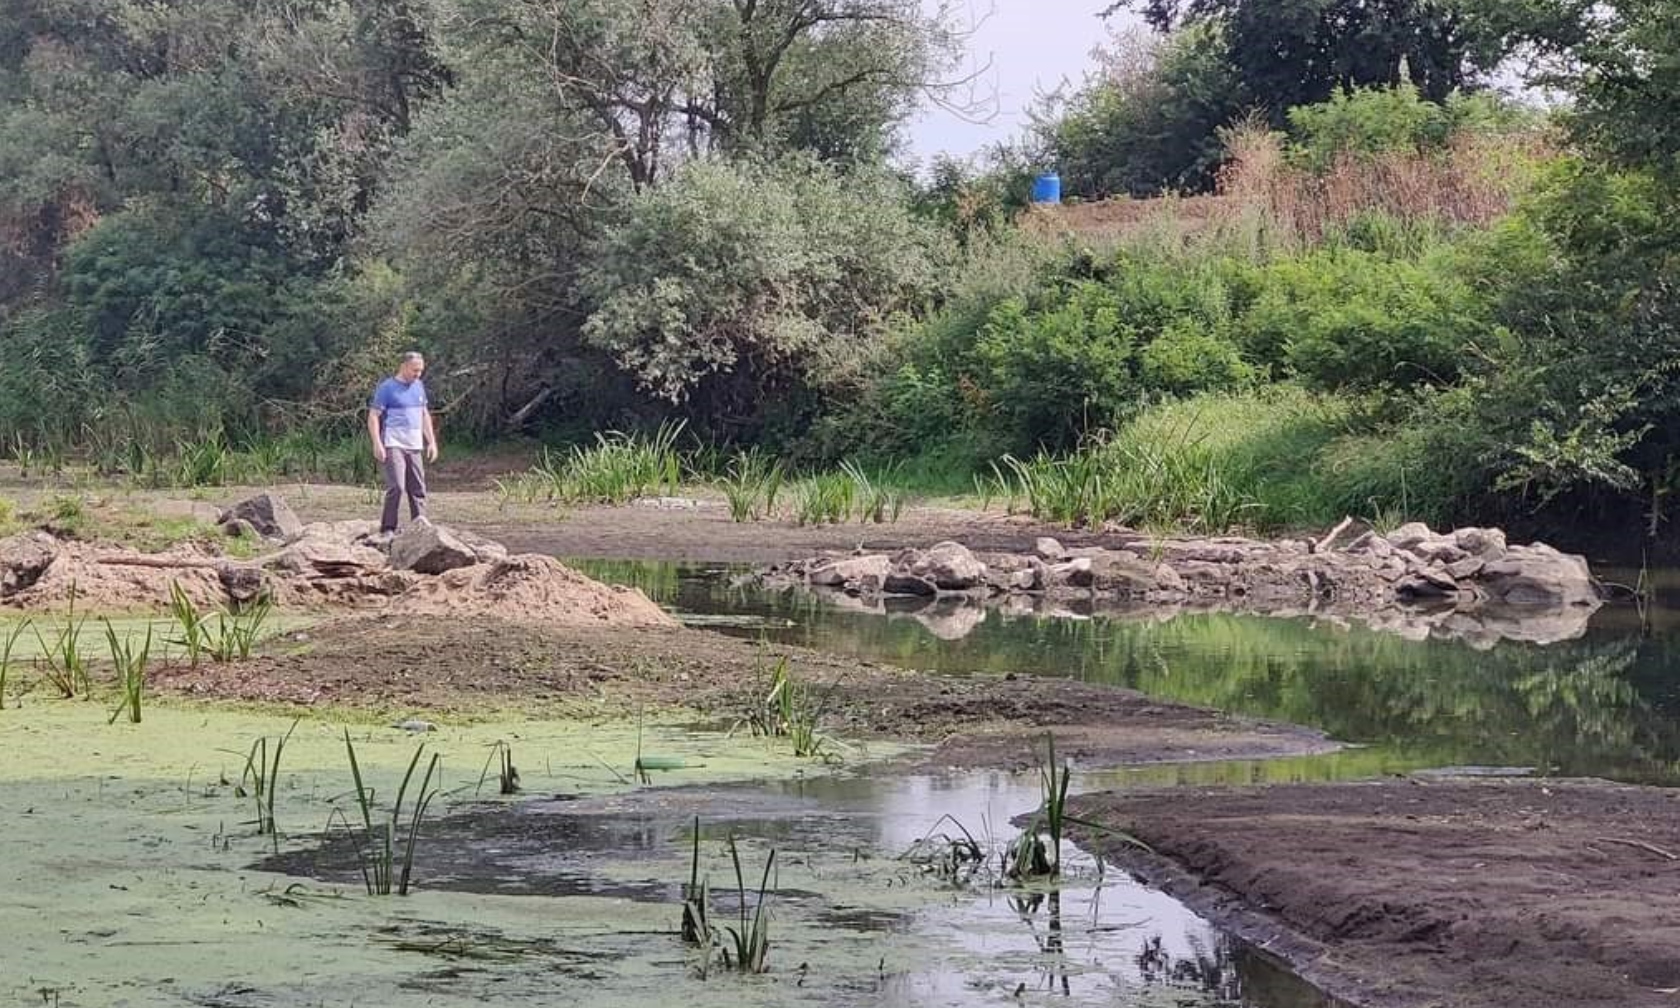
(507,775)
(131,672)
(6,651)
(236,632)
(195,632)
(61,661)
(790,711)
(384,870)
(751,486)
(261,779)
(750,942)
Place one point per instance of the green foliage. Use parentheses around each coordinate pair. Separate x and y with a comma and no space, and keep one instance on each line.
(1376,120)
(235,633)
(618,468)
(1348,319)
(1291,54)
(734,280)
(6,652)
(1147,121)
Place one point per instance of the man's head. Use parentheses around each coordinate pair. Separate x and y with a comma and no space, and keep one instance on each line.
(413,366)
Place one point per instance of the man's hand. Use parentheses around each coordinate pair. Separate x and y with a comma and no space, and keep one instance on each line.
(431,451)
(379,453)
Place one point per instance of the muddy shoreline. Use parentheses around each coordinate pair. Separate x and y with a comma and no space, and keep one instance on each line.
(1427,891)
(400,666)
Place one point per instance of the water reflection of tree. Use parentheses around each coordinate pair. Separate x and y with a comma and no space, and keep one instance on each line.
(1587,706)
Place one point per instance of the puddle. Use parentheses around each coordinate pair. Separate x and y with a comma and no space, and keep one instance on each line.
(1098,939)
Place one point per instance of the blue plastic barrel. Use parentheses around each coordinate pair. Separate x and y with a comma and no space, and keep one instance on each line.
(1047,188)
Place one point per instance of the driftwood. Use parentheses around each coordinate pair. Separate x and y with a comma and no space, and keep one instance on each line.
(1324,544)
(183,563)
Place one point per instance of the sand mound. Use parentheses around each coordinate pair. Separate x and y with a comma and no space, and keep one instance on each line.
(530,588)
(327,567)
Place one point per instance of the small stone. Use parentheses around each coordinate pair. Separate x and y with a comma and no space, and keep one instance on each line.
(1046,548)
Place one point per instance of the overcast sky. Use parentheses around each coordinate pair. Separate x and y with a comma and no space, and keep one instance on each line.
(1032,45)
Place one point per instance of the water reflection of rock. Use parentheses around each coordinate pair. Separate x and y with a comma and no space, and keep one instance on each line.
(1468,585)
(952,618)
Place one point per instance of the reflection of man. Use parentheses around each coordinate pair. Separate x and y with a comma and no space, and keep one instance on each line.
(401,428)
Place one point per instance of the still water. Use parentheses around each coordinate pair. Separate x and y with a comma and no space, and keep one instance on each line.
(1604,704)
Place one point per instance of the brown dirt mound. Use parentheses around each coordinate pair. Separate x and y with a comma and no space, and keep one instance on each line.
(529,587)
(87,572)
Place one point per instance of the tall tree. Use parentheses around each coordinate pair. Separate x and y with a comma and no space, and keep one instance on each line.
(1297,52)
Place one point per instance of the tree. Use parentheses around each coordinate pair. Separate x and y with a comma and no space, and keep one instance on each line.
(686,77)
(1297,52)
(734,284)
(1148,121)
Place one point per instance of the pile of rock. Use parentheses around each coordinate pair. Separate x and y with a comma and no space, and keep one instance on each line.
(1412,567)
(346,563)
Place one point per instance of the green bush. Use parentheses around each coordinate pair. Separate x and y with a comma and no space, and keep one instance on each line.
(1050,375)
(1347,319)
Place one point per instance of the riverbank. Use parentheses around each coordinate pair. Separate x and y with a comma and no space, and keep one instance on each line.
(1427,891)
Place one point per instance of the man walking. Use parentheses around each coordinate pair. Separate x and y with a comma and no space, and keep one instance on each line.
(400,425)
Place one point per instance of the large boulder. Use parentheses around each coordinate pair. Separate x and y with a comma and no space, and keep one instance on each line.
(426,549)
(23,559)
(333,550)
(1539,575)
(268,514)
(949,566)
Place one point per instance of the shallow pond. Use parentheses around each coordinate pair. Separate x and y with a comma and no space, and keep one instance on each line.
(1603,705)
(134,874)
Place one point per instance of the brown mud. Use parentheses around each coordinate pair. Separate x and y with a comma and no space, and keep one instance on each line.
(1428,892)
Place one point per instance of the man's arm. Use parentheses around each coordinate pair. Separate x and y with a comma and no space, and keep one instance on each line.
(373,434)
(430,435)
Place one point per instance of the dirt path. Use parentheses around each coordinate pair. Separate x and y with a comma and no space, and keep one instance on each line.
(1446,893)
(691,528)
(407,665)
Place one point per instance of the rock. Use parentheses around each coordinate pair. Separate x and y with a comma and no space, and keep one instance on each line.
(1075,573)
(243,583)
(1425,584)
(1409,535)
(1167,580)
(1046,548)
(1442,551)
(1539,576)
(268,514)
(23,559)
(1469,567)
(900,582)
(950,567)
(333,550)
(239,528)
(1122,574)
(852,570)
(428,549)
(1487,543)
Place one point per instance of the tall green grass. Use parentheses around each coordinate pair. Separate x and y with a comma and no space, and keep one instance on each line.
(618,468)
(130,664)
(6,652)
(387,863)
(1256,461)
